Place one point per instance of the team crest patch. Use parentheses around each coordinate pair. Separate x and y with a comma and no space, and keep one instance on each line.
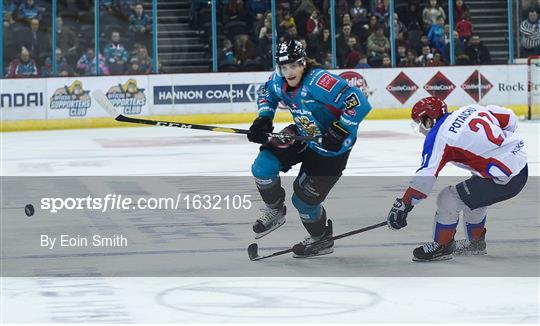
(351,101)
(327,82)
(307,125)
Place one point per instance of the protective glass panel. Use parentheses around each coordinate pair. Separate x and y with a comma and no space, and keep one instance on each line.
(185,36)
(245,41)
(125,29)
(527,35)
(26,37)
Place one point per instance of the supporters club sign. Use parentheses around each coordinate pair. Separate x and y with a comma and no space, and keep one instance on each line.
(127,96)
(74,98)
(402,87)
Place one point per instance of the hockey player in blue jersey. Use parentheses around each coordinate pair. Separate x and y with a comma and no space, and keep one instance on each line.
(322,105)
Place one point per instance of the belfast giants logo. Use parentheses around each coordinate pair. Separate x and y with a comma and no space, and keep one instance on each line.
(477,86)
(402,87)
(127,96)
(354,79)
(72,98)
(439,86)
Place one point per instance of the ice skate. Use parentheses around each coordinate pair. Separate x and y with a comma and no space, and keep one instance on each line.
(473,247)
(271,219)
(433,251)
(315,246)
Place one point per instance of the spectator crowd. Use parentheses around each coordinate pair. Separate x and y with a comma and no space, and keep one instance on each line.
(125,36)
(421,29)
(530,32)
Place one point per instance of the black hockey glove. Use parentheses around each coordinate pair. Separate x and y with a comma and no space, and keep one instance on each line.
(397,218)
(333,139)
(259,129)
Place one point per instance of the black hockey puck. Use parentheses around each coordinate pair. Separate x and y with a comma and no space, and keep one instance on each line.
(252,251)
(29,210)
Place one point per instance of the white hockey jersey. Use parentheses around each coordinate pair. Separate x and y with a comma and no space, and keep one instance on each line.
(477,138)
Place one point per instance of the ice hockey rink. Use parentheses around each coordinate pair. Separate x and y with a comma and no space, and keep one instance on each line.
(370,277)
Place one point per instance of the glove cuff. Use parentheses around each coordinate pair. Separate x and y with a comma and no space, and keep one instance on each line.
(408,207)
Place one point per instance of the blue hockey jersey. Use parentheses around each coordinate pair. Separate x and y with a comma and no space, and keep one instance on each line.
(315,103)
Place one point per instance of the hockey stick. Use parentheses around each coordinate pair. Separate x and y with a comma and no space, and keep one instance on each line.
(109,107)
(253,248)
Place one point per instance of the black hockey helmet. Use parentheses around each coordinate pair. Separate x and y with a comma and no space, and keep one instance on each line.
(290,51)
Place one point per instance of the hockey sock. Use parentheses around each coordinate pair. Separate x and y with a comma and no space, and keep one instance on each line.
(475,221)
(444,233)
(271,192)
(265,169)
(316,227)
(475,231)
(449,205)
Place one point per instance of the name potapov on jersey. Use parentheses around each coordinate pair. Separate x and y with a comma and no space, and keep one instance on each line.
(460,120)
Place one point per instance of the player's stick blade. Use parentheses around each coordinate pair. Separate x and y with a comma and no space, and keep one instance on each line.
(104,102)
(253,251)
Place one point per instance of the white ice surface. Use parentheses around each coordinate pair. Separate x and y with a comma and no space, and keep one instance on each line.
(271,300)
(384,148)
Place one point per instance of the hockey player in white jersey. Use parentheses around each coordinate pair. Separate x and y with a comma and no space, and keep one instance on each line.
(477,138)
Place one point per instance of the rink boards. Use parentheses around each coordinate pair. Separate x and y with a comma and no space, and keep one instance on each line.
(61,103)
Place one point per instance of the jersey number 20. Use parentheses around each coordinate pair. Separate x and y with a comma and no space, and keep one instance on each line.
(474,125)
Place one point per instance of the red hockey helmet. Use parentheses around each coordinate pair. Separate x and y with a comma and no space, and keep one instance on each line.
(431,107)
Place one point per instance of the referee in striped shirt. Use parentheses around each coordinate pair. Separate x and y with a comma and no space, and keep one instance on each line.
(530,34)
